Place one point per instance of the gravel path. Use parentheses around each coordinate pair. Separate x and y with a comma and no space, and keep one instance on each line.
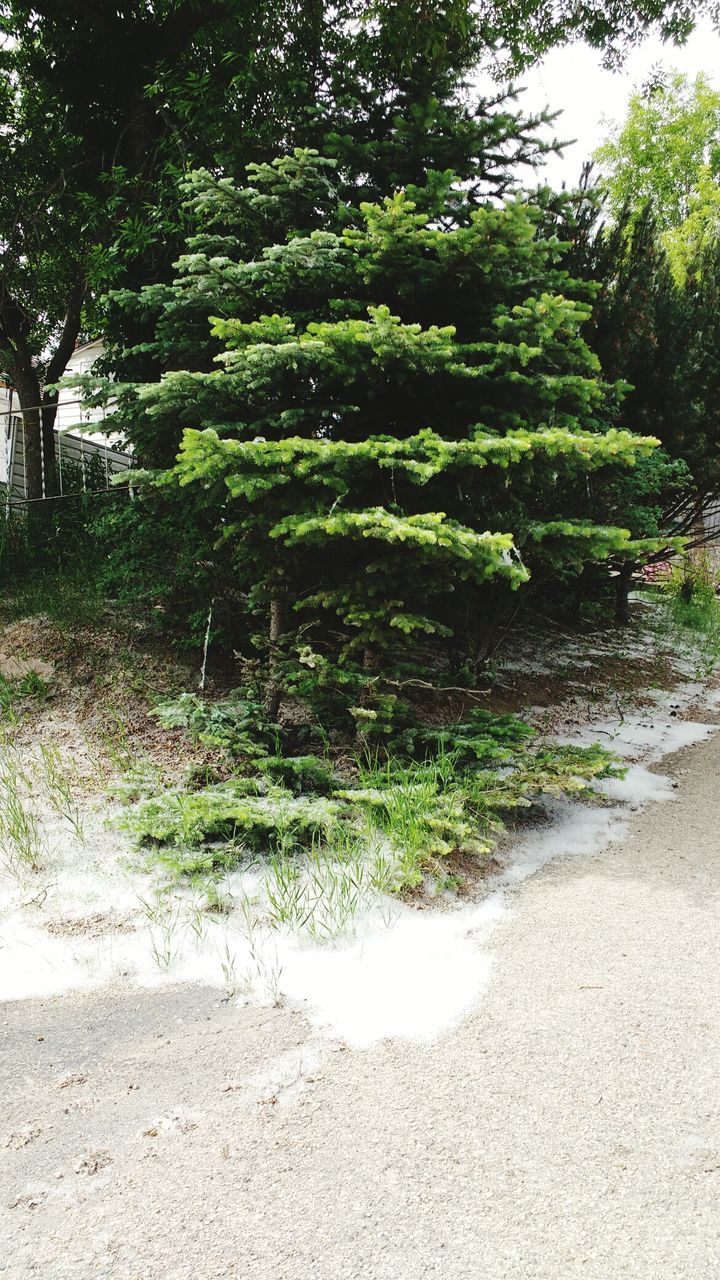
(570,1127)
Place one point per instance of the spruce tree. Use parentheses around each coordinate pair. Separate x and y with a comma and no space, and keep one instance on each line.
(401,413)
(643,334)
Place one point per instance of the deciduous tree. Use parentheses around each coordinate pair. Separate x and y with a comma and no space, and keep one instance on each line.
(104,109)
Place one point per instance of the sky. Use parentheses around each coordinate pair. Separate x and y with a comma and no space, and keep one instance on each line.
(574,80)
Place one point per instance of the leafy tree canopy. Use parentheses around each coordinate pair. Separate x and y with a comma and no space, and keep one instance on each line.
(657,263)
(103,110)
(666,157)
(526,29)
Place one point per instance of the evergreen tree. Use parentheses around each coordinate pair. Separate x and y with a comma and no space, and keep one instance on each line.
(639,329)
(401,412)
(409,137)
(696,370)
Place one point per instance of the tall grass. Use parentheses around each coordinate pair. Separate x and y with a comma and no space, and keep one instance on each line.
(420,809)
(693,606)
(22,845)
(323,893)
(68,597)
(54,776)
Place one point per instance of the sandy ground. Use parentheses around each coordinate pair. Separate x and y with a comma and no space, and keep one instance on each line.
(569,1127)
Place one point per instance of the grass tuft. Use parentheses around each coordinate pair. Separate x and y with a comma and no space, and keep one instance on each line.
(21,841)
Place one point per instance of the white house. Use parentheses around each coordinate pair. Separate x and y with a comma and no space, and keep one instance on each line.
(69,412)
(76,436)
(10,424)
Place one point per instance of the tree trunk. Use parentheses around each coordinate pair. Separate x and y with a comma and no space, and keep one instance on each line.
(55,370)
(623,583)
(277,627)
(38,433)
(27,386)
(580,593)
(39,411)
(371,658)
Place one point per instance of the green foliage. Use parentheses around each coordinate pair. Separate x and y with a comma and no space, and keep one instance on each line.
(371,471)
(330,690)
(482,739)
(423,814)
(420,793)
(67,597)
(666,154)
(526,29)
(301,774)
(700,614)
(48,562)
(387,411)
(452,803)
(16,692)
(232,819)
(691,594)
(236,725)
(324,895)
(7,700)
(692,380)
(22,845)
(145,93)
(661,338)
(33,685)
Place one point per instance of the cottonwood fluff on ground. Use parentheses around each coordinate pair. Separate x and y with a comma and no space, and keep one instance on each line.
(420,975)
(404,972)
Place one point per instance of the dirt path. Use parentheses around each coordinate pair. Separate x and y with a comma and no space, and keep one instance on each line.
(570,1127)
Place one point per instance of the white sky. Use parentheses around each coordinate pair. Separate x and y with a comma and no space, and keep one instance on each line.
(573,79)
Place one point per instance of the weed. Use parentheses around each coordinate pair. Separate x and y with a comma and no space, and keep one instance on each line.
(32,685)
(323,893)
(449,884)
(339,891)
(8,713)
(163,917)
(67,598)
(197,921)
(692,609)
(425,810)
(21,841)
(227,965)
(138,776)
(217,902)
(260,970)
(59,791)
(117,742)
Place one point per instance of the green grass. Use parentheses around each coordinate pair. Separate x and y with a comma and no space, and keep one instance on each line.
(322,860)
(22,845)
(699,614)
(691,611)
(54,775)
(8,697)
(15,692)
(67,598)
